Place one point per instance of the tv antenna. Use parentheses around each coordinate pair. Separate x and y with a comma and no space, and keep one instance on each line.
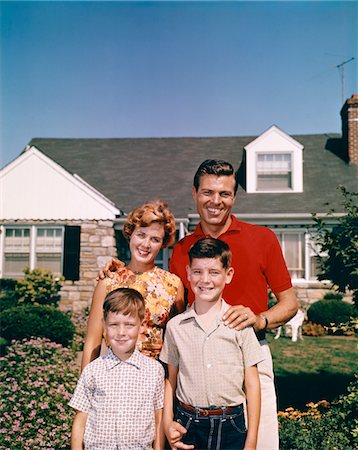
(341,68)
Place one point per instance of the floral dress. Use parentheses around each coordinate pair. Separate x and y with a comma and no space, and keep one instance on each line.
(159,289)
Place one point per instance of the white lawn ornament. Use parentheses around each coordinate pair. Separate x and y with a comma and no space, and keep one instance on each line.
(296,326)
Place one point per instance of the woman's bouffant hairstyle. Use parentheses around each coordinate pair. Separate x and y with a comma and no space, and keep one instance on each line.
(143,216)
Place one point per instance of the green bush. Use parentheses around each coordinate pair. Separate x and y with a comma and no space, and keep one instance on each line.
(330,312)
(8,295)
(39,287)
(37,380)
(322,426)
(28,321)
(333,296)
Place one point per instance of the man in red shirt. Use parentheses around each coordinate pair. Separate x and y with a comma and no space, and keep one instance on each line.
(258,263)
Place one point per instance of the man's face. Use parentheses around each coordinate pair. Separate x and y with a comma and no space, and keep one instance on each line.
(208,278)
(214,199)
(122,333)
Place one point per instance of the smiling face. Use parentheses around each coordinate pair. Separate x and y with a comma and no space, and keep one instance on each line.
(214,200)
(122,333)
(208,278)
(145,244)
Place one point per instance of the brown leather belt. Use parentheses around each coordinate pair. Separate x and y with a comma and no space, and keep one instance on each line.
(208,412)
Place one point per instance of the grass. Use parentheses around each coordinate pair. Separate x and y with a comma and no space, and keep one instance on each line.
(314,355)
(314,369)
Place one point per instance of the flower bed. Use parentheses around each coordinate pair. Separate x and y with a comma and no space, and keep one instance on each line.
(37,380)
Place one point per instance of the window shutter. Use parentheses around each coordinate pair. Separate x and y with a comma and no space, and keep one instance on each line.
(71,257)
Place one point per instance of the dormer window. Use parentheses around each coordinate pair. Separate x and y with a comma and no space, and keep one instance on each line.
(274,163)
(273,171)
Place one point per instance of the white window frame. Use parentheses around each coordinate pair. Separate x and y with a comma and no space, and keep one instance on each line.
(312,250)
(290,171)
(32,246)
(301,250)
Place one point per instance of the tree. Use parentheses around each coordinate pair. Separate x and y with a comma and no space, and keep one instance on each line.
(341,245)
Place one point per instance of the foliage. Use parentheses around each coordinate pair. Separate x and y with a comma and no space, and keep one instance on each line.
(39,287)
(79,319)
(322,426)
(333,296)
(27,321)
(37,380)
(328,312)
(341,244)
(313,329)
(349,328)
(8,297)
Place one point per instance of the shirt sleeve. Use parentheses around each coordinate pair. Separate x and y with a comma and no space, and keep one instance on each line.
(251,348)
(169,353)
(82,397)
(159,391)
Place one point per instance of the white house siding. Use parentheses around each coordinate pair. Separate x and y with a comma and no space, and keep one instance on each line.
(34,186)
(36,192)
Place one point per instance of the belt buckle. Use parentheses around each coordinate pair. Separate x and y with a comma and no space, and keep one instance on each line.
(204,412)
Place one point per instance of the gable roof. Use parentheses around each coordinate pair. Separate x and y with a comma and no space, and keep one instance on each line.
(131,171)
(36,187)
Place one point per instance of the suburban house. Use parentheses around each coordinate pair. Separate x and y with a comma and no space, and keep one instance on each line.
(64,201)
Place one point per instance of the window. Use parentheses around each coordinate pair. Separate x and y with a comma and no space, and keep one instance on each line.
(293,248)
(17,251)
(315,255)
(55,248)
(274,171)
(48,246)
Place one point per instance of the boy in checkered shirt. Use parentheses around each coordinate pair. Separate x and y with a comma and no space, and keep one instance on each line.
(119,396)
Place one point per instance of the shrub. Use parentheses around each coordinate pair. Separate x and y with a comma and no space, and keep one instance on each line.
(333,296)
(330,312)
(8,296)
(349,328)
(28,321)
(37,380)
(322,426)
(79,320)
(39,287)
(313,329)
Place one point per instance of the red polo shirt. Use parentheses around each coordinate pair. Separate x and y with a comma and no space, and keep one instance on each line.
(256,258)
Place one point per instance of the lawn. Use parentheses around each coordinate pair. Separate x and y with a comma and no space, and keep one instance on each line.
(313,369)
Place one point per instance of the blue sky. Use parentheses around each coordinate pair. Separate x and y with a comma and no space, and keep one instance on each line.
(143,69)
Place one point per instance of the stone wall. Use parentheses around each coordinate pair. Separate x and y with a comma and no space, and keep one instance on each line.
(97,247)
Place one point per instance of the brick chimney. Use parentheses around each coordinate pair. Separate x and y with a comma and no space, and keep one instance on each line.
(349,114)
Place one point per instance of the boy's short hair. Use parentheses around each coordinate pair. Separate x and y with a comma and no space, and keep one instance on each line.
(211,248)
(124,301)
(216,167)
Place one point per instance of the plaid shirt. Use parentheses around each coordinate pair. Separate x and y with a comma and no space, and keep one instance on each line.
(120,398)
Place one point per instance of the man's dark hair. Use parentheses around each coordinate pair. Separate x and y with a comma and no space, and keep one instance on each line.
(211,248)
(216,167)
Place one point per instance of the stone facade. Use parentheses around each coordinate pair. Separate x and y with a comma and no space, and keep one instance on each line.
(97,247)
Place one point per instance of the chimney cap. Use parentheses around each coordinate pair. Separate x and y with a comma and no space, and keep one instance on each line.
(353,99)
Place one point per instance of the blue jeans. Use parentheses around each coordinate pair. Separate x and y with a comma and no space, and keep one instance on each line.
(219,432)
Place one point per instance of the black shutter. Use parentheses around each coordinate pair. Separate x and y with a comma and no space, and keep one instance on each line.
(71,257)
